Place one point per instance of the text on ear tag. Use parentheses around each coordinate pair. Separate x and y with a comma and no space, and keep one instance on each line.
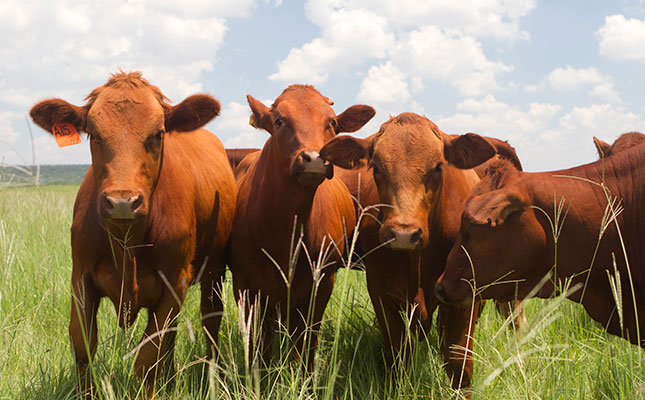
(65,134)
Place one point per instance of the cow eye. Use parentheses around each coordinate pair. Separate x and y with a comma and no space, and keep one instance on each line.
(278,123)
(375,169)
(333,123)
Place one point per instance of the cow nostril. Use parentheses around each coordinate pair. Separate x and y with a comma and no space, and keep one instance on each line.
(439,292)
(107,202)
(306,157)
(416,236)
(137,203)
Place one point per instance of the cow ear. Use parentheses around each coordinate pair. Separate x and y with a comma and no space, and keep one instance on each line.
(494,207)
(261,117)
(603,148)
(347,152)
(467,151)
(354,118)
(192,113)
(505,151)
(49,112)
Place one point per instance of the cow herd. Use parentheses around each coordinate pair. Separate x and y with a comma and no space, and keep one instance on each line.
(444,222)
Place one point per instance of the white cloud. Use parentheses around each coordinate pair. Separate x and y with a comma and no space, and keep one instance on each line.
(431,53)
(7,132)
(492,18)
(349,36)
(384,84)
(233,128)
(422,40)
(621,38)
(544,136)
(569,78)
(77,45)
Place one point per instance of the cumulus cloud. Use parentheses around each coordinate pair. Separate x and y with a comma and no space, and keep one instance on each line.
(67,48)
(570,78)
(543,134)
(384,84)
(421,40)
(233,128)
(349,36)
(622,38)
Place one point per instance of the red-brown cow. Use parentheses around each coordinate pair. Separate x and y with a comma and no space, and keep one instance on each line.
(235,156)
(153,214)
(413,171)
(507,226)
(286,184)
(625,141)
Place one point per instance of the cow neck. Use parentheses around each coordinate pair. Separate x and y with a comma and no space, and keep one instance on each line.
(586,204)
(281,193)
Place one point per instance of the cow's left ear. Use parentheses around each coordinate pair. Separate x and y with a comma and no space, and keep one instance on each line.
(192,113)
(467,151)
(494,207)
(354,118)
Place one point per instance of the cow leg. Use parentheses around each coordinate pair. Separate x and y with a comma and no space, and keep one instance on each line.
(456,327)
(157,345)
(211,307)
(82,326)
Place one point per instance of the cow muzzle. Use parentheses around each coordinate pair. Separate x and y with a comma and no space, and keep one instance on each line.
(402,238)
(122,205)
(310,169)
(447,294)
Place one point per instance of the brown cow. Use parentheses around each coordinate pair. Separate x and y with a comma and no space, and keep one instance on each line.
(625,141)
(235,156)
(286,184)
(153,214)
(415,170)
(507,230)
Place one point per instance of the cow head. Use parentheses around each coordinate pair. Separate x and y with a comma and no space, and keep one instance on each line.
(501,250)
(126,120)
(409,157)
(300,122)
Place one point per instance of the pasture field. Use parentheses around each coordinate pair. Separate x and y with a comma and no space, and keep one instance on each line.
(560,354)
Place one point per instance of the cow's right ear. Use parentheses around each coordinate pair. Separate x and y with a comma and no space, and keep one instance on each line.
(603,148)
(467,151)
(347,151)
(261,117)
(49,112)
(494,207)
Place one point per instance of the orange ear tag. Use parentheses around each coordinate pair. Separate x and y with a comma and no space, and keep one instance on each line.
(65,134)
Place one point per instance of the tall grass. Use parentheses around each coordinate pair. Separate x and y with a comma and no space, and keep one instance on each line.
(560,354)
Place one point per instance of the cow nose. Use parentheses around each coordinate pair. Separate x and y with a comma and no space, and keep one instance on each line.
(122,206)
(403,239)
(312,163)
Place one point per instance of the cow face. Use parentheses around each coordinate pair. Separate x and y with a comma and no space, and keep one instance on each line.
(126,120)
(300,122)
(500,252)
(409,157)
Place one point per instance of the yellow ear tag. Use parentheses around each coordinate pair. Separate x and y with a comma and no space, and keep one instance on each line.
(65,134)
(252,121)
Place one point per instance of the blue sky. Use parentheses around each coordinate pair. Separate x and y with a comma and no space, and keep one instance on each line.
(545,75)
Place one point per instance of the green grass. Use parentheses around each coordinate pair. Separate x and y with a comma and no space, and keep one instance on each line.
(561,354)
